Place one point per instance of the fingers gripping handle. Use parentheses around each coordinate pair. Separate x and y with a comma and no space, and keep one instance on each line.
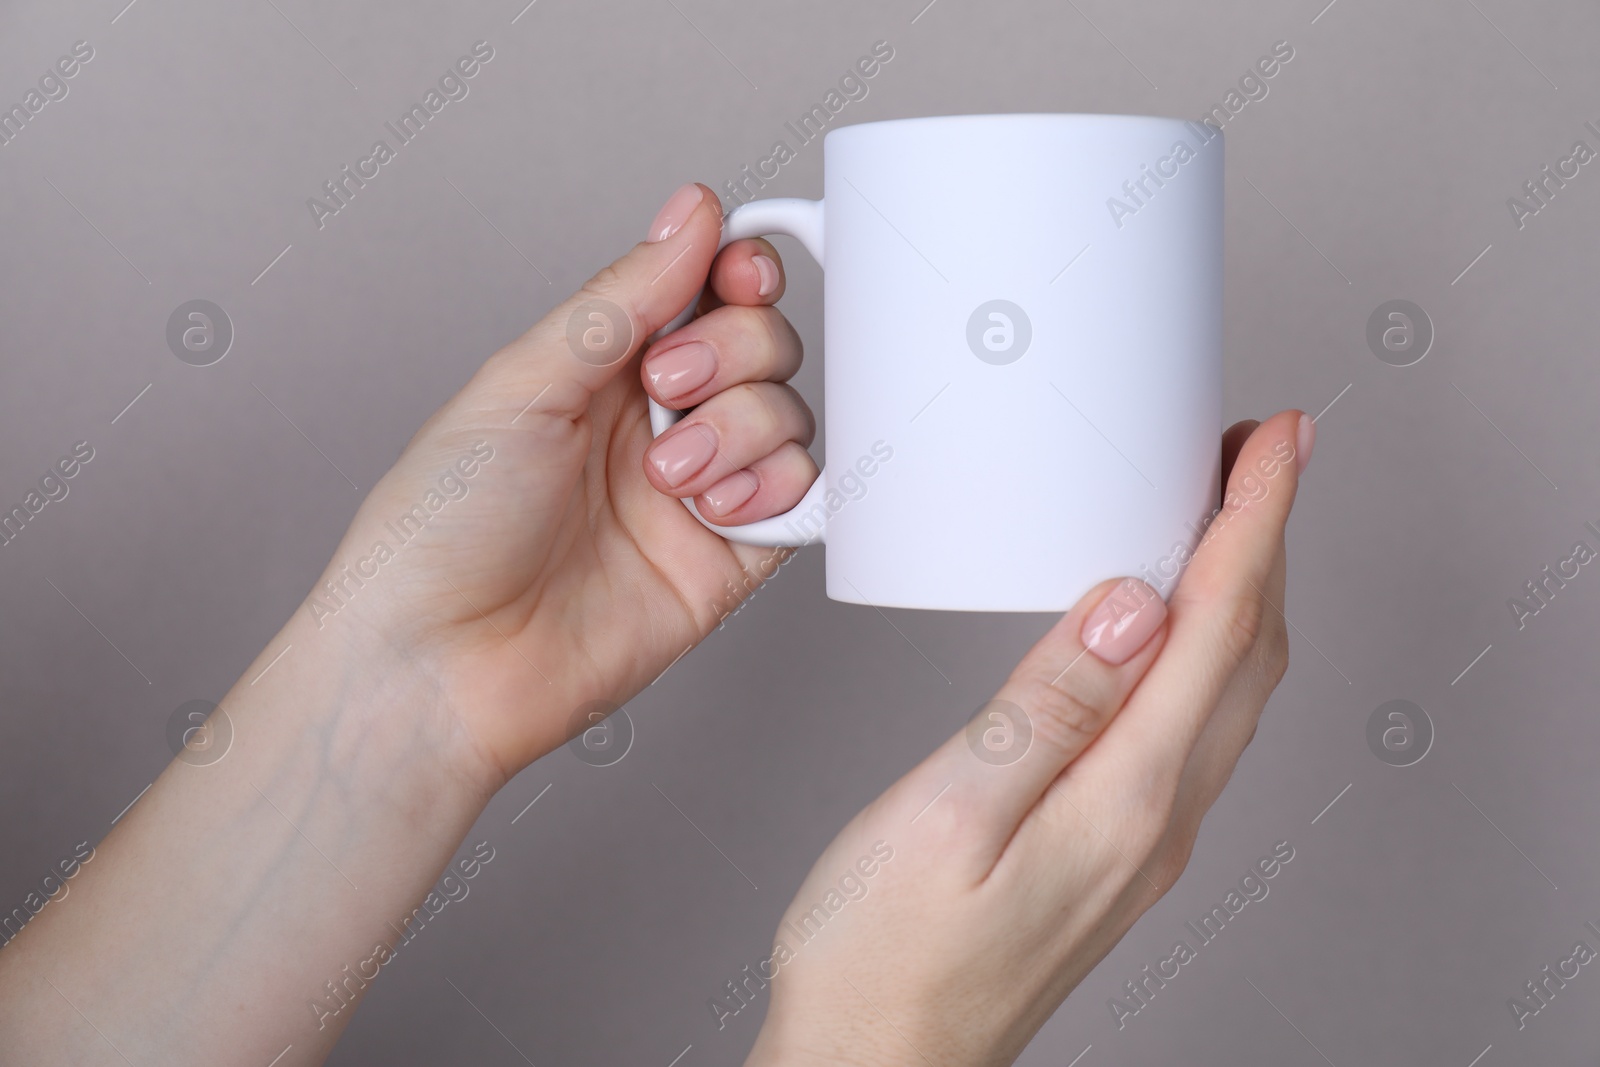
(803,523)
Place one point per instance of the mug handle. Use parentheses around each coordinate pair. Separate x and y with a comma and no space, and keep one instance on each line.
(801,219)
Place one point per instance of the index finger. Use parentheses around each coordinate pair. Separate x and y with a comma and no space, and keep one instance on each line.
(1217,610)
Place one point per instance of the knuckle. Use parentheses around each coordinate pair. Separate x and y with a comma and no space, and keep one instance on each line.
(774,411)
(805,420)
(1150,801)
(757,405)
(744,327)
(606,283)
(606,293)
(759,336)
(1147,862)
(1254,728)
(1242,619)
(1275,654)
(1065,718)
(1171,859)
(1158,810)
(758,320)
(793,457)
(779,331)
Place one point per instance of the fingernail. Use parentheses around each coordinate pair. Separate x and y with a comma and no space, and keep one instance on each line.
(675,212)
(681,370)
(731,493)
(681,456)
(1305,439)
(768,273)
(1121,624)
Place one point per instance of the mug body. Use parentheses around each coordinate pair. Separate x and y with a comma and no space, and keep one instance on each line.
(1023,344)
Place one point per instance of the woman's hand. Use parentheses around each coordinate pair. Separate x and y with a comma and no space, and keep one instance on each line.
(554,566)
(1026,846)
(519,562)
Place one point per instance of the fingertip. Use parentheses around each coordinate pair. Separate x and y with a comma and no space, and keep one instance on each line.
(748,272)
(1123,622)
(729,494)
(1242,536)
(767,275)
(1305,440)
(1115,620)
(769,486)
(679,209)
(1270,444)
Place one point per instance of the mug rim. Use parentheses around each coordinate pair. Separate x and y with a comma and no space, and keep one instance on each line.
(1072,117)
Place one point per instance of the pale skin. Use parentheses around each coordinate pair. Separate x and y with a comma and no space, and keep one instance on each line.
(223,903)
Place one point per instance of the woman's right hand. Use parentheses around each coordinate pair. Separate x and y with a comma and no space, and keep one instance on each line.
(949,919)
(553,571)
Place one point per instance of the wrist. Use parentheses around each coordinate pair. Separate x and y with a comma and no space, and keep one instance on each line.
(376,706)
(334,788)
(788,1042)
(453,659)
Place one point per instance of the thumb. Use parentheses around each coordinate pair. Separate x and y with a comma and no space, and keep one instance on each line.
(571,353)
(1061,697)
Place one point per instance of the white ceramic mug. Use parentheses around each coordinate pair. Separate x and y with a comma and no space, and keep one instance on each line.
(1023,356)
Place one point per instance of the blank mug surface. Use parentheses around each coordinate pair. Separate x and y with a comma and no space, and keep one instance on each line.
(1044,366)
(1023,356)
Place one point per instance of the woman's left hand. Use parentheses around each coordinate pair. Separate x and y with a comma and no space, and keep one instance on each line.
(949,919)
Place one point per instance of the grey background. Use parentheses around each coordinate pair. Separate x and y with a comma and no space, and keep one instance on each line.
(1390,143)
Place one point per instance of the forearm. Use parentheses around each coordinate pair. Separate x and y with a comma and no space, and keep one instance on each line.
(212,920)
